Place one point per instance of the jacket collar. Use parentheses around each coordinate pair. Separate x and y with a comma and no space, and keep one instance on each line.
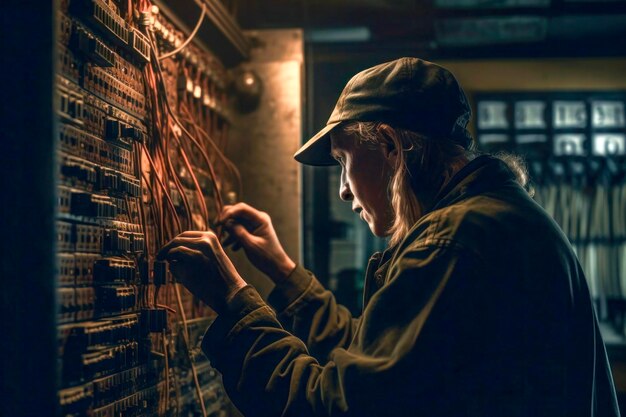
(482,174)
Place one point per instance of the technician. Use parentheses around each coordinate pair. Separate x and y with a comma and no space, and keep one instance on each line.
(478,307)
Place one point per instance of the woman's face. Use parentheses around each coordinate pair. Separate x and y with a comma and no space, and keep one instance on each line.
(366,171)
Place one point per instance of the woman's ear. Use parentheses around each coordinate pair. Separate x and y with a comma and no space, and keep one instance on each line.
(390,145)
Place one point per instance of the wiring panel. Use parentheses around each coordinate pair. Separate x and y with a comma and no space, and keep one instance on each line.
(143,122)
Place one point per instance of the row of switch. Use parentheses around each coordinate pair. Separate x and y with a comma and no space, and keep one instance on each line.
(114,270)
(91,46)
(79,143)
(92,205)
(85,303)
(76,269)
(122,384)
(76,304)
(96,239)
(105,332)
(103,394)
(116,130)
(82,269)
(120,242)
(68,63)
(109,179)
(115,299)
(75,401)
(107,21)
(79,172)
(70,103)
(99,363)
(96,115)
(144,403)
(100,82)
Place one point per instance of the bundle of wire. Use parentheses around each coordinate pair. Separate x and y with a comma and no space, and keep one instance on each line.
(184,145)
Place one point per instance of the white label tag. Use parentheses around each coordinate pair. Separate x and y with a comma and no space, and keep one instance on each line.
(492,115)
(608,113)
(530,115)
(605,144)
(569,114)
(569,144)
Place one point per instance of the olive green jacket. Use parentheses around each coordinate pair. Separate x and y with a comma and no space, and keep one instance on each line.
(482,310)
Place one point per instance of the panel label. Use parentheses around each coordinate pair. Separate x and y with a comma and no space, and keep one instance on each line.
(492,115)
(569,144)
(607,114)
(569,114)
(530,115)
(605,144)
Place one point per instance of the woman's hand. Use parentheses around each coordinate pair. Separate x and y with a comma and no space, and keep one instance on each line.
(199,262)
(252,230)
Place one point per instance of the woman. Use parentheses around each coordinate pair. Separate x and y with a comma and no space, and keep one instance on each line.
(477,308)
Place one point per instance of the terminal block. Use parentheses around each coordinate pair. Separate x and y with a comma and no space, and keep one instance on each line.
(75,401)
(91,335)
(112,299)
(88,238)
(123,384)
(84,263)
(93,205)
(103,18)
(77,170)
(94,48)
(117,129)
(114,270)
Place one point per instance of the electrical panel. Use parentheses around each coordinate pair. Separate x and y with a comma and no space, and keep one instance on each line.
(143,118)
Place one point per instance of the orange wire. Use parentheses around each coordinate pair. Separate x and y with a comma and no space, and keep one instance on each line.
(166,194)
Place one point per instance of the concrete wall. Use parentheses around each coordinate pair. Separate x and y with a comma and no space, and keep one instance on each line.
(262,142)
(544,74)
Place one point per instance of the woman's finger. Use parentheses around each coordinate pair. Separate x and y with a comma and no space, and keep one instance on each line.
(181,253)
(241,211)
(228,240)
(199,243)
(179,259)
(177,241)
(192,233)
(241,234)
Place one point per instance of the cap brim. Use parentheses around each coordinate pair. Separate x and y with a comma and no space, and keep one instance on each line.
(316,151)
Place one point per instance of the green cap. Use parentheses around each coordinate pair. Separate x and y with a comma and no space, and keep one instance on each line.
(407,93)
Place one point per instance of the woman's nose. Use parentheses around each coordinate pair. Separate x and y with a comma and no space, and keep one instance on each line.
(344,191)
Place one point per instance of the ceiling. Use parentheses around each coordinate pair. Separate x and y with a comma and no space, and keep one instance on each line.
(443,28)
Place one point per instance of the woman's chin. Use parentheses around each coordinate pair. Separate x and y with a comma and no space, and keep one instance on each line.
(378,231)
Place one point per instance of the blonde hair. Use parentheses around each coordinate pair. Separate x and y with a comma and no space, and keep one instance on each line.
(424,166)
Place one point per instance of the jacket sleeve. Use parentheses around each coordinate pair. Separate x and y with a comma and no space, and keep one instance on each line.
(387,370)
(312,314)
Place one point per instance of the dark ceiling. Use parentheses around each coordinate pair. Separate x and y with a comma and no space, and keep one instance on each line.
(459,28)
